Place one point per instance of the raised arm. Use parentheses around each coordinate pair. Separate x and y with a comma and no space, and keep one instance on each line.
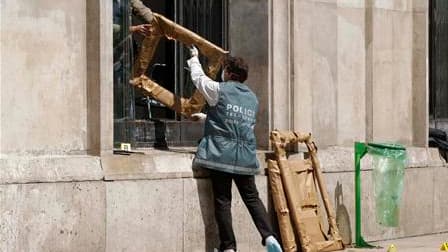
(206,86)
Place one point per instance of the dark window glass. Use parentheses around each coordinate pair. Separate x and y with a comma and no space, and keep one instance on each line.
(140,120)
(438,85)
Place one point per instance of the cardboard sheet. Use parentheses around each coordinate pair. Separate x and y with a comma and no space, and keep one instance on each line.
(281,207)
(163,27)
(180,105)
(302,182)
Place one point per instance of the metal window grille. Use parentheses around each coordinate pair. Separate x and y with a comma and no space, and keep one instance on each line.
(132,123)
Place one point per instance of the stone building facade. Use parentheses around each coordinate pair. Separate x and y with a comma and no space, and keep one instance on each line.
(345,70)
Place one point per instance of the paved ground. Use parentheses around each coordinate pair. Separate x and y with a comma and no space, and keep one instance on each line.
(428,243)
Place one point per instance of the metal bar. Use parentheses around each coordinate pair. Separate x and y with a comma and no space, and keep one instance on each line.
(178,54)
(360,151)
(432,112)
(225,25)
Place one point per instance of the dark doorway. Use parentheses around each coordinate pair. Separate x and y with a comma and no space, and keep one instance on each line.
(438,77)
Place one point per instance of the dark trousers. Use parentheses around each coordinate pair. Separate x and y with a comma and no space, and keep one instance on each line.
(222,191)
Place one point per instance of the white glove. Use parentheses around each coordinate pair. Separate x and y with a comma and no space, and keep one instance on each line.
(194,51)
(198,117)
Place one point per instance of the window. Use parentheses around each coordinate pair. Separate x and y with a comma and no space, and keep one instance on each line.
(140,120)
(438,84)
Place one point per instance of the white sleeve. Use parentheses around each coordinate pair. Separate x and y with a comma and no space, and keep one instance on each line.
(208,88)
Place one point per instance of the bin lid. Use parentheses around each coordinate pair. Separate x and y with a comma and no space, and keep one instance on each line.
(389,150)
(393,146)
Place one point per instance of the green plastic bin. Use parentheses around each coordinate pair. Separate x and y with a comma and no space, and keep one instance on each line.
(388,164)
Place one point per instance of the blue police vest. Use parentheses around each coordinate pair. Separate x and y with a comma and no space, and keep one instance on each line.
(229,143)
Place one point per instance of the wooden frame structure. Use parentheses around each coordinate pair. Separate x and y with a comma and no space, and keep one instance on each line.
(163,27)
(295,187)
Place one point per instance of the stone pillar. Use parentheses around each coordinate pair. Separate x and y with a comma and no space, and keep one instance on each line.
(280,64)
(303,66)
(99,77)
(392,71)
(329,70)
(325,72)
(420,73)
(249,39)
(351,72)
(397,88)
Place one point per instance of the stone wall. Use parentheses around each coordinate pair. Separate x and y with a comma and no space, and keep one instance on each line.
(345,70)
(138,204)
(43,81)
(351,70)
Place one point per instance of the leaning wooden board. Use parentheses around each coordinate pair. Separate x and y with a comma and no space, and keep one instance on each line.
(301,181)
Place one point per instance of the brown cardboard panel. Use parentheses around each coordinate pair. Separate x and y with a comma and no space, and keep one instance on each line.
(163,27)
(281,208)
(302,182)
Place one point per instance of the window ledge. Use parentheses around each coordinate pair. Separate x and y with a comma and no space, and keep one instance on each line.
(51,168)
(177,163)
(156,164)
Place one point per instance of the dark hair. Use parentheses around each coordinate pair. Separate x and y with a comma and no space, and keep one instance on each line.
(237,68)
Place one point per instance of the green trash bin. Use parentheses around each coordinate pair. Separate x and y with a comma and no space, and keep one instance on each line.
(388,163)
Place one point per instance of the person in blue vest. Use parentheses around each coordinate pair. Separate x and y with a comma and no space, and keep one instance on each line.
(228,148)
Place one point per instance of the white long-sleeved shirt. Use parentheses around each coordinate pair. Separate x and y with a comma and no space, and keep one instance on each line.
(208,87)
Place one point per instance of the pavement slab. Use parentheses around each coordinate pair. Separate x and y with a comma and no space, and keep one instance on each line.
(426,243)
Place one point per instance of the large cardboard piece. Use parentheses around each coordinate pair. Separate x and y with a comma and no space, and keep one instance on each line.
(302,181)
(281,207)
(163,27)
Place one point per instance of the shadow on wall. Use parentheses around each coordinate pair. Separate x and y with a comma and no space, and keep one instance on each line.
(342,216)
(205,196)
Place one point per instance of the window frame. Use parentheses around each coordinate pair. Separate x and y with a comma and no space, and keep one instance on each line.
(183,128)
